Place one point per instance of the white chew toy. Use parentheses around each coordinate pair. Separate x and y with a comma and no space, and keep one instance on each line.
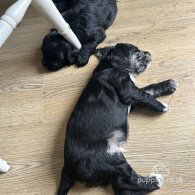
(14,15)
(4,167)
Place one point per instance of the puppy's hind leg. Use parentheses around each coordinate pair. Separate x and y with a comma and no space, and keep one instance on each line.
(66,182)
(127,181)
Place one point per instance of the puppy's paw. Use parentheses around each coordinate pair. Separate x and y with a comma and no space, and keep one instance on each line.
(153,182)
(157,179)
(166,107)
(172,85)
(82,59)
(164,88)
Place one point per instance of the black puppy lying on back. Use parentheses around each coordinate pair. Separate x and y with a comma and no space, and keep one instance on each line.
(89,20)
(98,125)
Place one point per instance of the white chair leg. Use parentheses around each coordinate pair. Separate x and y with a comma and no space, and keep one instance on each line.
(12,18)
(49,10)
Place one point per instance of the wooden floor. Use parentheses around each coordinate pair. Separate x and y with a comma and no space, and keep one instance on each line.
(35,105)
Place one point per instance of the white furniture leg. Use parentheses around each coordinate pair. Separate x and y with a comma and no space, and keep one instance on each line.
(12,18)
(4,167)
(49,10)
(15,13)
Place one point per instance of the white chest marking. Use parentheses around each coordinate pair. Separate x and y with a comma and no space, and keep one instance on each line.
(129,109)
(132,77)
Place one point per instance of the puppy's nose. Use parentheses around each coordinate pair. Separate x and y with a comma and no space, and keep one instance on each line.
(147,53)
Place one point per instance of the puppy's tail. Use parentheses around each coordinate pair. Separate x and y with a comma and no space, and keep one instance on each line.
(66,182)
(101,53)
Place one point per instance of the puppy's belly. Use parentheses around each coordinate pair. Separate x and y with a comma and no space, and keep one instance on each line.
(115,142)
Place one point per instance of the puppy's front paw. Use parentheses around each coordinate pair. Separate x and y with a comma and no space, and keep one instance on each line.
(165,88)
(172,85)
(166,107)
(82,59)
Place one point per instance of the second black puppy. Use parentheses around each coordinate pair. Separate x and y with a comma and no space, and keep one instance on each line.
(89,20)
(98,126)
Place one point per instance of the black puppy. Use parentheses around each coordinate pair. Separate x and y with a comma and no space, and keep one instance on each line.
(89,20)
(98,125)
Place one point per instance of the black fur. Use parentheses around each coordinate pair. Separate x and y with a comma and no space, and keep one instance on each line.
(89,20)
(63,5)
(100,112)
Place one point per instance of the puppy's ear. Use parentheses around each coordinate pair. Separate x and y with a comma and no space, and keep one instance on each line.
(101,53)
